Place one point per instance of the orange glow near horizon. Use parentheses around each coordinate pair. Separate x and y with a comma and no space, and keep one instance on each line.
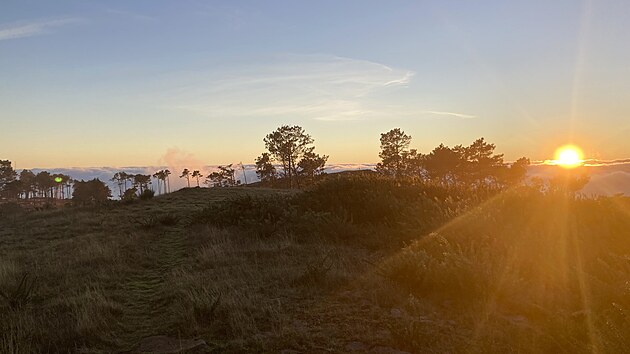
(569,156)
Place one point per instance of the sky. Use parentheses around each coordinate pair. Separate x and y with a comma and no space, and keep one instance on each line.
(148,83)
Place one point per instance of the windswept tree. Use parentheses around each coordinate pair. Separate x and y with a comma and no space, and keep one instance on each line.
(158,178)
(196,175)
(287,145)
(394,146)
(120,178)
(167,179)
(127,178)
(161,177)
(265,170)
(186,174)
(229,175)
(224,177)
(141,182)
(91,192)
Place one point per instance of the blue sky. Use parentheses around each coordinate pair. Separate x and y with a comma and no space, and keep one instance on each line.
(120,83)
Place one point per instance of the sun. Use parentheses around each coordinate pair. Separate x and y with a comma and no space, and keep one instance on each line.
(569,156)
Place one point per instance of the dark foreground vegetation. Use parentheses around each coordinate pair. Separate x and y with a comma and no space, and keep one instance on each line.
(357,263)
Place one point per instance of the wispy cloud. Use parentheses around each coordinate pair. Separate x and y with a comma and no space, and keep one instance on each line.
(131,15)
(320,87)
(452,114)
(22,30)
(590,163)
(177,158)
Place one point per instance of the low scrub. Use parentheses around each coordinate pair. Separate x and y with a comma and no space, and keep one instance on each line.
(343,208)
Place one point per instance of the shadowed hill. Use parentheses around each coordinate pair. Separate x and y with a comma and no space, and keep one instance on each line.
(357,263)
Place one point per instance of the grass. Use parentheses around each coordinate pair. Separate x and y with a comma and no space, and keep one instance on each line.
(354,263)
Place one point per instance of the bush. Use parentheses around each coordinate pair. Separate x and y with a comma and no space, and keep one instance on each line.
(391,210)
(262,215)
(346,208)
(130,195)
(147,194)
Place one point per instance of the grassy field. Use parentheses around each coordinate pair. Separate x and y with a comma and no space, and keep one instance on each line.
(107,277)
(348,267)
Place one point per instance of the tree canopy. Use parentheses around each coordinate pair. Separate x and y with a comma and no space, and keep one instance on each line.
(289,146)
(90,192)
(475,165)
(394,145)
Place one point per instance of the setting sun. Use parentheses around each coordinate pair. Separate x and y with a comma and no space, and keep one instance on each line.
(569,156)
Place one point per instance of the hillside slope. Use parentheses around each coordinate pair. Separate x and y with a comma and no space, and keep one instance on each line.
(357,264)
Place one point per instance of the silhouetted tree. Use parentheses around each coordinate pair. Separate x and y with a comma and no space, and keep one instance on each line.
(228,174)
(311,165)
(63,184)
(12,189)
(90,192)
(413,164)
(186,173)
(481,167)
(45,184)
(27,183)
(287,145)
(196,174)
(158,178)
(127,178)
(265,170)
(161,177)
(59,184)
(120,178)
(141,182)
(7,173)
(224,177)
(443,164)
(517,172)
(164,177)
(394,145)
(167,173)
